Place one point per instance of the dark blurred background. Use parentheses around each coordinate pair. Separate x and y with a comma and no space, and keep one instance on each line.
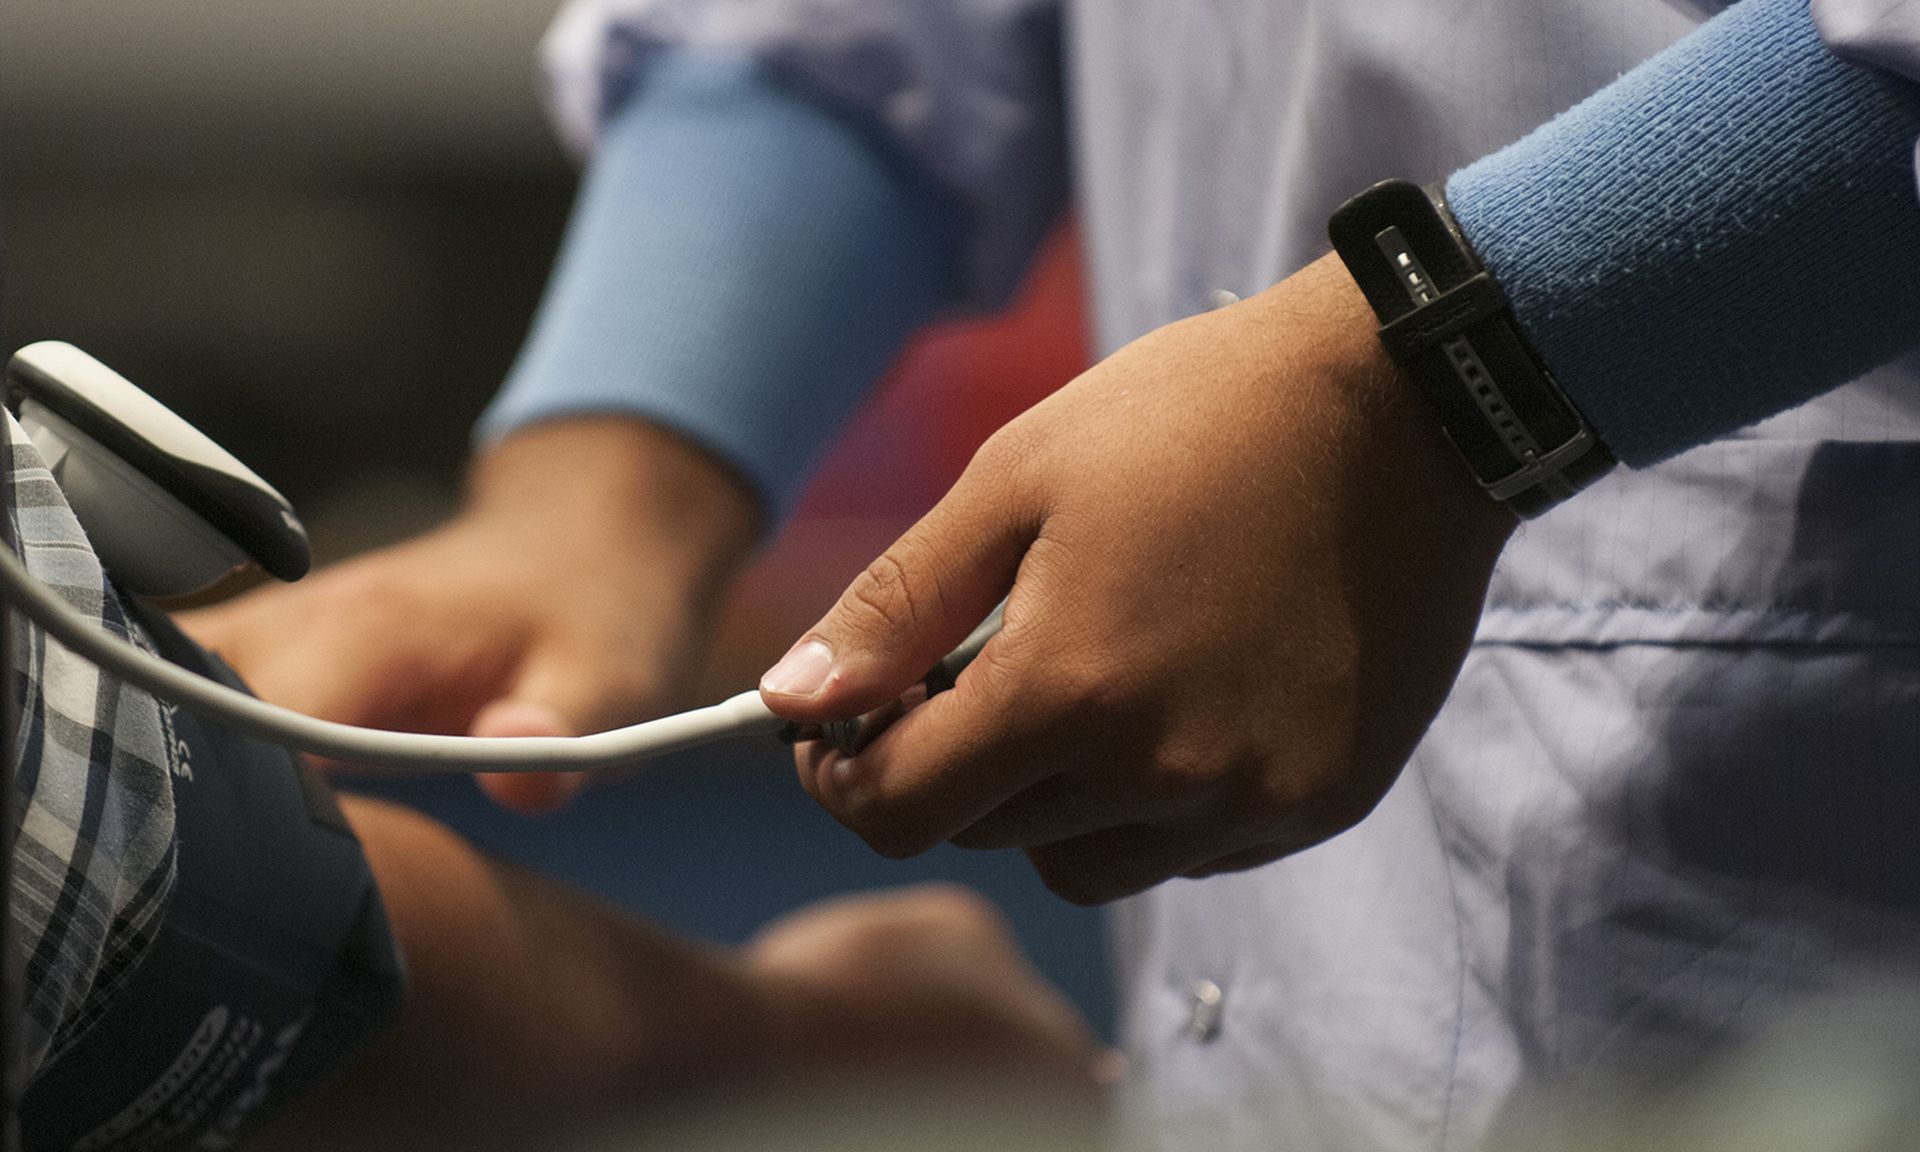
(318,231)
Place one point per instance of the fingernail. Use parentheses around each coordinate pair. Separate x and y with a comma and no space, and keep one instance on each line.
(801,672)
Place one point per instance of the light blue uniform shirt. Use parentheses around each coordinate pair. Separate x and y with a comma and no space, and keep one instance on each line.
(1677,783)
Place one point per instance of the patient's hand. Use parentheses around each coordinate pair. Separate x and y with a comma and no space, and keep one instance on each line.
(538,1013)
(572,595)
(928,976)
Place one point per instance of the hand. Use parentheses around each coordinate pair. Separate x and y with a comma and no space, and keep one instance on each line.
(572,595)
(540,1017)
(1244,569)
(930,975)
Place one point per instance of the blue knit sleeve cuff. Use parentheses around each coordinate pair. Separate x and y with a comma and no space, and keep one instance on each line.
(740,267)
(1725,232)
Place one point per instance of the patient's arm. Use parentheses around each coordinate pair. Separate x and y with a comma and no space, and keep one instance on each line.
(536,1009)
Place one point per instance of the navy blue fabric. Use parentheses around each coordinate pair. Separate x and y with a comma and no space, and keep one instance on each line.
(272,969)
(1725,232)
(741,267)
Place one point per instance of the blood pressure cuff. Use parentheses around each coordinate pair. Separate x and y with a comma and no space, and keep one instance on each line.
(272,968)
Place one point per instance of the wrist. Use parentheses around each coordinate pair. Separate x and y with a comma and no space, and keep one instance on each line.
(622,488)
(1399,456)
(1447,324)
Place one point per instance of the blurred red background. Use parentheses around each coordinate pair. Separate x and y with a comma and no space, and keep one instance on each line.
(955,385)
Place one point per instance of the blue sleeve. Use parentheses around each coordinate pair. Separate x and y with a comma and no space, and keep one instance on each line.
(740,267)
(1725,232)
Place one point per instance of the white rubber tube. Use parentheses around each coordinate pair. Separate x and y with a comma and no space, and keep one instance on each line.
(736,716)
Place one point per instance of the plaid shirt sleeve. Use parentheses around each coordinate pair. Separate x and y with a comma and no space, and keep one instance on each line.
(92,763)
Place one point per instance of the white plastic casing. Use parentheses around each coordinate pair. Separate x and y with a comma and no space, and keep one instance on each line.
(168,510)
(148,541)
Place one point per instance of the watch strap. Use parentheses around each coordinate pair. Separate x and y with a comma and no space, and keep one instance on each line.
(1446,321)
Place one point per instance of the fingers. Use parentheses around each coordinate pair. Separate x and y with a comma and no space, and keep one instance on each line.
(560,690)
(528,792)
(944,765)
(1092,837)
(1057,808)
(362,651)
(909,608)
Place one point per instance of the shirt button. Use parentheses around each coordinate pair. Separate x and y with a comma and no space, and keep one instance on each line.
(1206,1006)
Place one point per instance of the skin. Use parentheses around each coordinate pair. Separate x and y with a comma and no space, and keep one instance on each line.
(537,1014)
(1242,568)
(571,595)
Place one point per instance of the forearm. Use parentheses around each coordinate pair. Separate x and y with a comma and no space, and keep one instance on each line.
(533,1009)
(1728,230)
(538,1012)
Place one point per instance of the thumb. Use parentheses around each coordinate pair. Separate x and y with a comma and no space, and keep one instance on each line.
(549,698)
(906,611)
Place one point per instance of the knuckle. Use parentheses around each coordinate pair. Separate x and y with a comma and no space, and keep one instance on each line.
(1004,453)
(1183,775)
(1282,786)
(1023,663)
(1081,685)
(1278,792)
(1092,688)
(885,594)
(1185,769)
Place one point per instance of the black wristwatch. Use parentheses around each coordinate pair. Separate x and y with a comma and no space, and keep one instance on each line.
(1446,321)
